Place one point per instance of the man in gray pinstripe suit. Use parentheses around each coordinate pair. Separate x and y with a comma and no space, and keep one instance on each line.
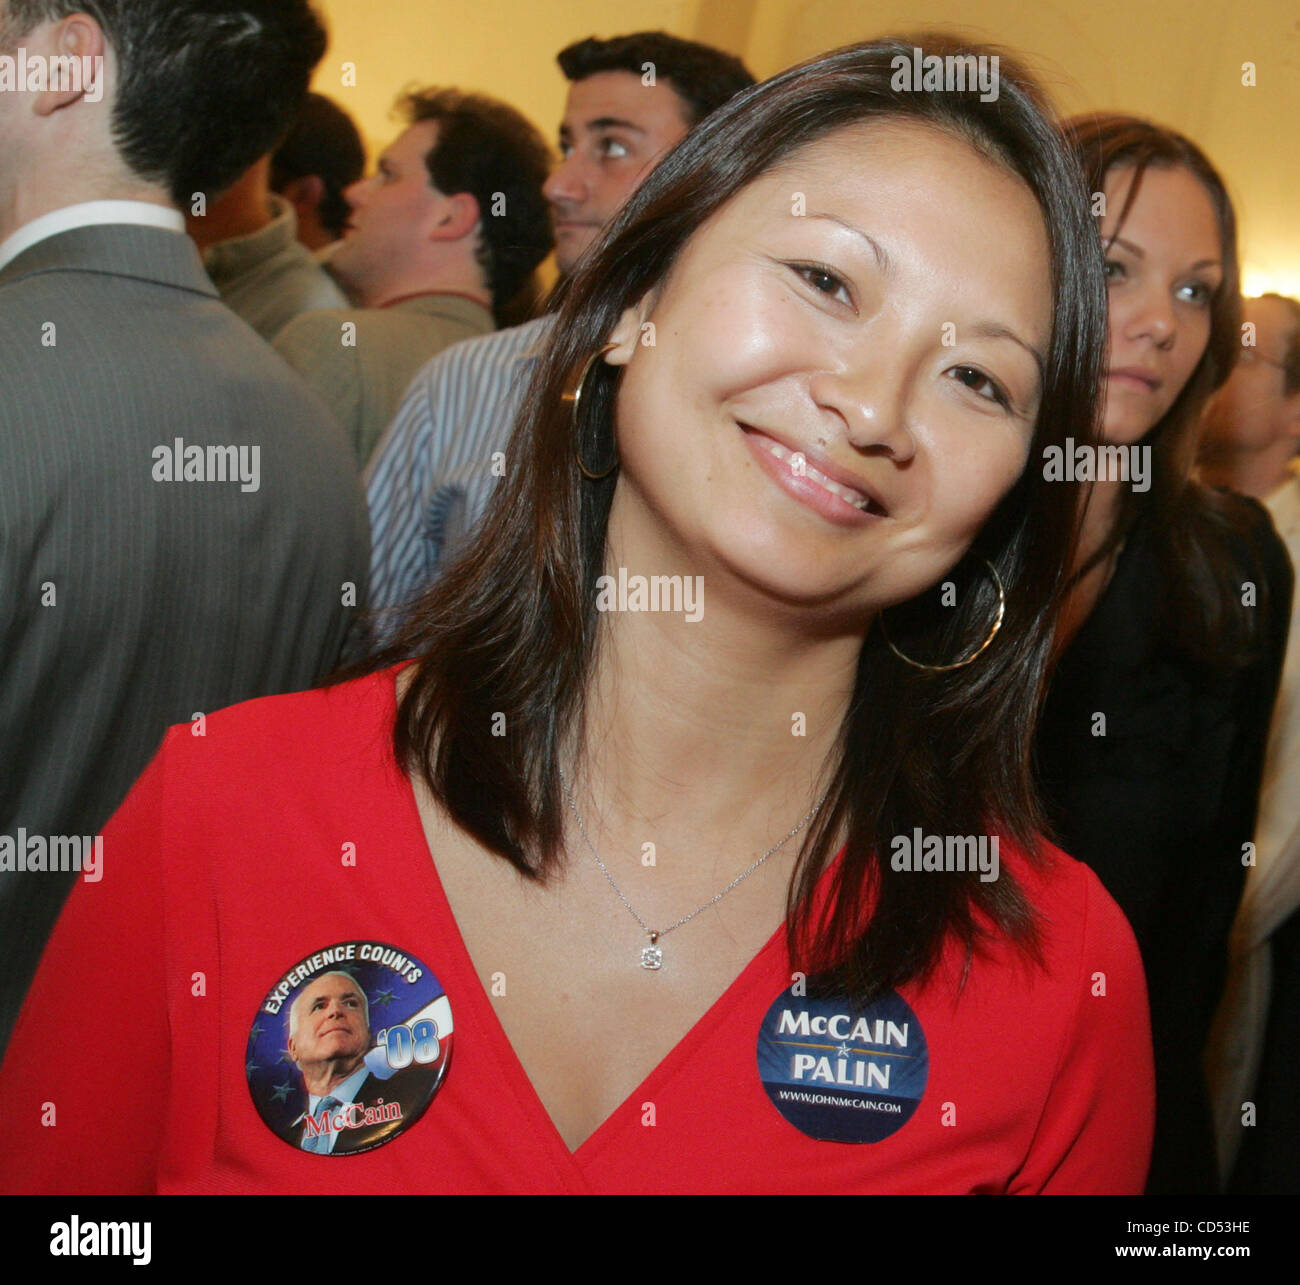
(181,526)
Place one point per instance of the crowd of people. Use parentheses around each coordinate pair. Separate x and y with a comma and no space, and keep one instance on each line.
(948,842)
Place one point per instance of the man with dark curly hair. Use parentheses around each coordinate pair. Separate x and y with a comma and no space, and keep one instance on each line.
(438,244)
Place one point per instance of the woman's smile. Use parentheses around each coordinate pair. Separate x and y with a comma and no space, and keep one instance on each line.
(798,477)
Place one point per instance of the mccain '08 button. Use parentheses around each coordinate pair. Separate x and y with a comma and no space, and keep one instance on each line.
(348,1048)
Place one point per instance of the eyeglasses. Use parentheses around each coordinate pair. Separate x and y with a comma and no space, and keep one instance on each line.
(1252,357)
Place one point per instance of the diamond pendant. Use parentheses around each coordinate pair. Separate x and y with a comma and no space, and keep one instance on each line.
(652,956)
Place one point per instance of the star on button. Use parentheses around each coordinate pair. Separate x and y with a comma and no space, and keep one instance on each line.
(844,1050)
(285,1056)
(250,1066)
(280,1092)
(258,1028)
(383,999)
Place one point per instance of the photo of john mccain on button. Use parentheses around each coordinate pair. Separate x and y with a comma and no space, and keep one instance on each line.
(321,1076)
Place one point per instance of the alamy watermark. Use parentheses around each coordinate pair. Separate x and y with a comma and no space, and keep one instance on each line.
(54,853)
(681,594)
(75,1239)
(24,73)
(1079,462)
(952,853)
(950,74)
(194,463)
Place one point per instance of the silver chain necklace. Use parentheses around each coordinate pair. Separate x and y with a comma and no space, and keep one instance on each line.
(652,956)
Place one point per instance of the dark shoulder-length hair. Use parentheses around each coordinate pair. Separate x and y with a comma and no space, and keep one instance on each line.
(511,628)
(1199,535)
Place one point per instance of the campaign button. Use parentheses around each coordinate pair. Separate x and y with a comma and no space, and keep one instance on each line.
(840,1073)
(348,1048)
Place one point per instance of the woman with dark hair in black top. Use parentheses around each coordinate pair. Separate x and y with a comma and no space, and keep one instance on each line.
(1171,643)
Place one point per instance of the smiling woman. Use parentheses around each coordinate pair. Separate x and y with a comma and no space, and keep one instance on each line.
(830,315)
(804,370)
(867,281)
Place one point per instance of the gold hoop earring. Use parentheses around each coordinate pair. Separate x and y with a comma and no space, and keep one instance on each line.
(573,396)
(958,664)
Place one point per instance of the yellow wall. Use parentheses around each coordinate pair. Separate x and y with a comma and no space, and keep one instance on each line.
(503,47)
(1177,61)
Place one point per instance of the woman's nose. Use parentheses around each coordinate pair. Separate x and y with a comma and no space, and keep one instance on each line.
(869,400)
(1152,317)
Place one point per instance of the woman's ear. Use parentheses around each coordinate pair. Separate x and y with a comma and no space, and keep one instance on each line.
(626,335)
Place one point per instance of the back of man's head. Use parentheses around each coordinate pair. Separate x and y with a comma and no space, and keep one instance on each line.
(204,87)
(490,150)
(323,143)
(703,77)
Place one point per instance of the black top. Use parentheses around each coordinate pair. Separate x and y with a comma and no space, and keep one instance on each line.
(1149,766)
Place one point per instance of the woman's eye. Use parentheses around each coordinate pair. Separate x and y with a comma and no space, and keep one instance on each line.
(1198,293)
(824,281)
(976,379)
(611,148)
(1115,270)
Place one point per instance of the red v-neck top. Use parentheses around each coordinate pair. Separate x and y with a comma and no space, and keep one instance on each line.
(226,861)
